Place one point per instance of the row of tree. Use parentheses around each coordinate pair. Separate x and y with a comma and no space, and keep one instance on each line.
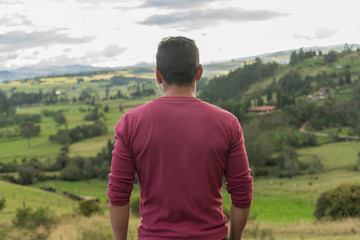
(79,133)
(71,168)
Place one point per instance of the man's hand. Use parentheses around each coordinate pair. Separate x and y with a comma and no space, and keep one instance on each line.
(119,216)
(238,220)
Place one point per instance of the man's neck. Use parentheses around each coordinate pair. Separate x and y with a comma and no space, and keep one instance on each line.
(179,91)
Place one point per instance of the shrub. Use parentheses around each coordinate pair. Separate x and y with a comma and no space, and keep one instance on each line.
(27,118)
(340,202)
(47,113)
(93,116)
(2,203)
(27,218)
(71,173)
(134,205)
(88,207)
(28,174)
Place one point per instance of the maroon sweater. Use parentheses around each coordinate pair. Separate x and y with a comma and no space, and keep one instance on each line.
(180,148)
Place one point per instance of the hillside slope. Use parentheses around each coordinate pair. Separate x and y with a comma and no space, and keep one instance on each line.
(18,196)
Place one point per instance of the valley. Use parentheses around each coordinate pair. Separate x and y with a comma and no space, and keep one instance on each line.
(296,152)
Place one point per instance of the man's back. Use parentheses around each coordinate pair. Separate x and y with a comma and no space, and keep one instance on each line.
(180,148)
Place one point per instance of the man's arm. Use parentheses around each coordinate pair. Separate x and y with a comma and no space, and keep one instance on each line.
(121,181)
(119,216)
(239,183)
(238,220)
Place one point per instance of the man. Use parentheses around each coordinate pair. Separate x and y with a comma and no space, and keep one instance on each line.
(180,147)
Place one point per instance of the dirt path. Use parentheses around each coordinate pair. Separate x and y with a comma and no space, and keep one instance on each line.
(303,130)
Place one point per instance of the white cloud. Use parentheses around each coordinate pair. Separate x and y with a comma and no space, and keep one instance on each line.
(176,4)
(126,32)
(325,32)
(112,51)
(12,20)
(197,19)
(17,40)
(321,33)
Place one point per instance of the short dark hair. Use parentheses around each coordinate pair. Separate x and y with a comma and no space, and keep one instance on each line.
(177,59)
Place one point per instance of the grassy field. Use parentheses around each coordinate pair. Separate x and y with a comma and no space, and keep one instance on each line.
(333,155)
(282,208)
(265,207)
(267,224)
(42,148)
(94,187)
(17,196)
(279,200)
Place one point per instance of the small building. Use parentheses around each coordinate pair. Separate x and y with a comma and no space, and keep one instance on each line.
(321,94)
(262,109)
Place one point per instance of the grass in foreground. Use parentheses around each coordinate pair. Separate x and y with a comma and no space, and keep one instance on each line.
(73,227)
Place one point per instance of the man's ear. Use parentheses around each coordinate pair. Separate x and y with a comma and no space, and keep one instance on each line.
(159,77)
(199,73)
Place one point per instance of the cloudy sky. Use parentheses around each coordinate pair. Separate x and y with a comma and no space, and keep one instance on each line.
(111,33)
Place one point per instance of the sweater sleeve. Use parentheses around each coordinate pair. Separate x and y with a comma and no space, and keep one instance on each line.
(239,182)
(122,175)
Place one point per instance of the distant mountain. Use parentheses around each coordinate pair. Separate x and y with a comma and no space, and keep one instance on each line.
(37,71)
(5,75)
(281,57)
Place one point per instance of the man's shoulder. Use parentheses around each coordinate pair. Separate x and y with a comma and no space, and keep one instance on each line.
(137,110)
(140,108)
(200,106)
(218,110)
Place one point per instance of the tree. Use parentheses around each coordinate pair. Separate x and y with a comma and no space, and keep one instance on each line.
(107,90)
(314,86)
(4,103)
(62,160)
(341,81)
(29,130)
(290,161)
(315,165)
(294,58)
(26,175)
(119,94)
(71,173)
(330,57)
(260,101)
(258,148)
(85,94)
(347,77)
(355,93)
(357,161)
(60,119)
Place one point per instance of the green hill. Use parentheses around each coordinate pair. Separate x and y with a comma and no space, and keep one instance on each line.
(18,196)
